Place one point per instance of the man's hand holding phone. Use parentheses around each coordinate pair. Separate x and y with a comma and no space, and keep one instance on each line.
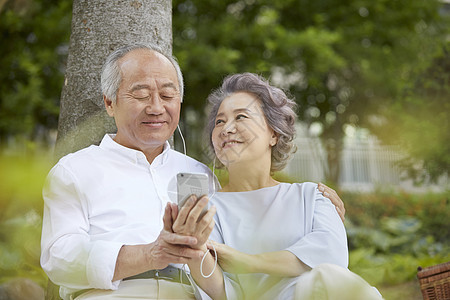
(190,221)
(191,216)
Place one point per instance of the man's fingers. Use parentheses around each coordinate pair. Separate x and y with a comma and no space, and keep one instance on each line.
(340,213)
(184,211)
(175,259)
(332,195)
(179,260)
(195,212)
(206,224)
(193,225)
(342,207)
(167,218)
(338,204)
(174,211)
(182,251)
(335,199)
(207,231)
(176,239)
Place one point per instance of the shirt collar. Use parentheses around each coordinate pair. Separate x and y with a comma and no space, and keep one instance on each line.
(133,155)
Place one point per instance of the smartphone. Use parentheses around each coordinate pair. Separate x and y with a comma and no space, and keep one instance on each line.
(192,184)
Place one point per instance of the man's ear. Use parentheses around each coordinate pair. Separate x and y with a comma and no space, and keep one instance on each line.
(109,106)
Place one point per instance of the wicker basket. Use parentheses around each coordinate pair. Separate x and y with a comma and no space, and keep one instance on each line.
(435,281)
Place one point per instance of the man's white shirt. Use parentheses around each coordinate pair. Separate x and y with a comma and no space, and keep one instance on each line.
(100,198)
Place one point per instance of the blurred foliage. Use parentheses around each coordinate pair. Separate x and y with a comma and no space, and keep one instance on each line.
(391,234)
(344,61)
(34,38)
(371,211)
(21,206)
(418,120)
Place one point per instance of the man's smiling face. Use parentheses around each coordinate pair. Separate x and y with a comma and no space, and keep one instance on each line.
(147,108)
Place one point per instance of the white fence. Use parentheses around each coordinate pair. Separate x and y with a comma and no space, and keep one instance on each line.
(365,164)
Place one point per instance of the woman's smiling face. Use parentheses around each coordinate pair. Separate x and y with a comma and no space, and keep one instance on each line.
(241,132)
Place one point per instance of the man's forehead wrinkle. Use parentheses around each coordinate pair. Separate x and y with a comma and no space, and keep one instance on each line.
(169,84)
(140,87)
(159,86)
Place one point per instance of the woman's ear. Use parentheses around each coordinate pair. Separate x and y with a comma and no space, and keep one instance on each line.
(274,139)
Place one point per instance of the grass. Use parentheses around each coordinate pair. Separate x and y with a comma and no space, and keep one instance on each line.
(408,290)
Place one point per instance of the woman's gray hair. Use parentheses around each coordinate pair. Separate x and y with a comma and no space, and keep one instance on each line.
(111,76)
(278,108)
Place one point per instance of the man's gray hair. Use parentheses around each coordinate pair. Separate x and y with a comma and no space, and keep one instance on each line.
(278,108)
(111,75)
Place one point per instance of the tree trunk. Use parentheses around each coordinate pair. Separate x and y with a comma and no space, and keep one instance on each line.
(98,28)
(334,152)
(333,139)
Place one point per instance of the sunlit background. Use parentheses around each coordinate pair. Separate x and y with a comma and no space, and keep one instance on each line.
(372,80)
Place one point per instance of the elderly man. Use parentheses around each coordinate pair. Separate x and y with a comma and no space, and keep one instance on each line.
(107,229)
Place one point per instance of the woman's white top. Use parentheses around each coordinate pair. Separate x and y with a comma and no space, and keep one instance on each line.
(293,217)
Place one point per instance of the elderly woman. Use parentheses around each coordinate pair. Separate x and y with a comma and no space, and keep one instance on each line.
(281,240)
(268,232)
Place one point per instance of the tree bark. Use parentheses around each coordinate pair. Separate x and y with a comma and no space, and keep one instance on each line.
(98,28)
(333,139)
(334,153)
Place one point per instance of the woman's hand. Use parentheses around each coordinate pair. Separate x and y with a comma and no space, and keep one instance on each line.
(230,259)
(279,263)
(334,197)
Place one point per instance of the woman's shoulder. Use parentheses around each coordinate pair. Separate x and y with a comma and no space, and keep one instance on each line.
(302,186)
(306,192)
(306,184)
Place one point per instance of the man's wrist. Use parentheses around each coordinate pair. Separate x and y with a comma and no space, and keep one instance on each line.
(147,253)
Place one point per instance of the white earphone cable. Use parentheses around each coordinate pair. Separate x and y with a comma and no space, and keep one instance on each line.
(184,146)
(214,192)
(215,263)
(214,248)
